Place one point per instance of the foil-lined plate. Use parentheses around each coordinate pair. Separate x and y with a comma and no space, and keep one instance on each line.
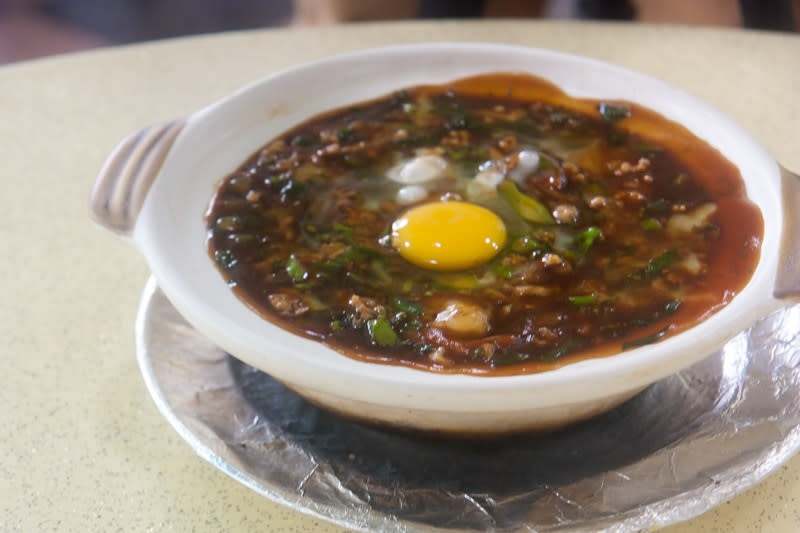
(682,446)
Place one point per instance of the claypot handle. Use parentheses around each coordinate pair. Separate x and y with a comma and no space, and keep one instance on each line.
(787,280)
(127,174)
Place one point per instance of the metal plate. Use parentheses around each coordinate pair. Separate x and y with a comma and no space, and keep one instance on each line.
(682,446)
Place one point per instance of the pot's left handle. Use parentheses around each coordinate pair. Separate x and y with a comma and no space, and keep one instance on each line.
(123,182)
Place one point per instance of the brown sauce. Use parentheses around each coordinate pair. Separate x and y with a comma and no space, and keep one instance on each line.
(626,230)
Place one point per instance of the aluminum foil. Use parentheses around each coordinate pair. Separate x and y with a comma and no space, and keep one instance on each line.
(684,445)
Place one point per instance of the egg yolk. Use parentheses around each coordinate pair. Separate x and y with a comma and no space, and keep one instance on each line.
(448,235)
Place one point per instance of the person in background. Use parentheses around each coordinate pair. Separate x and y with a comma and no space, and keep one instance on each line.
(34,28)
(757,14)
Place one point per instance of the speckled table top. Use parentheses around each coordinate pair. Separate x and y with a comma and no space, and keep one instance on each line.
(84,448)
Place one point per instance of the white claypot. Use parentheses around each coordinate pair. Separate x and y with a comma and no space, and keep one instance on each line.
(156,186)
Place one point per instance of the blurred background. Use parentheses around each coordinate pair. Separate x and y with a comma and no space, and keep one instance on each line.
(36,28)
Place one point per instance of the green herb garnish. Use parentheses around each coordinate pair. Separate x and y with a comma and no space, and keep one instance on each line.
(649,339)
(569,345)
(657,264)
(659,206)
(243,238)
(345,133)
(680,179)
(381,332)
(363,252)
(407,306)
(528,208)
(254,221)
(345,231)
(650,224)
(613,113)
(228,223)
(585,239)
(507,357)
(292,188)
(503,271)
(526,245)
(557,117)
(586,299)
(302,140)
(295,269)
(224,258)
(546,163)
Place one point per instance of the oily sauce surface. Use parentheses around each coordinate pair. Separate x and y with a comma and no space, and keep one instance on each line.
(620,227)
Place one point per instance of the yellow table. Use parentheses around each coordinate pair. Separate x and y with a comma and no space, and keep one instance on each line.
(83,446)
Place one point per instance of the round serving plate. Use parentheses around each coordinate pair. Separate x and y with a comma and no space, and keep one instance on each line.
(687,443)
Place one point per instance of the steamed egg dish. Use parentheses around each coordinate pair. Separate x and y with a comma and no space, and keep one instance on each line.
(484,233)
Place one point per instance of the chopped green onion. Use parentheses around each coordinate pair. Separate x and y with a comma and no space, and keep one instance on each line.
(314,303)
(558,117)
(526,245)
(379,271)
(585,239)
(458,154)
(503,271)
(302,140)
(356,277)
(506,357)
(331,266)
(650,224)
(545,163)
(354,253)
(481,152)
(528,208)
(254,221)
(656,265)
(242,238)
(613,113)
(224,259)
(228,223)
(659,206)
(365,252)
(292,188)
(240,183)
(345,133)
(650,339)
(295,269)
(381,332)
(344,230)
(680,179)
(570,344)
(586,299)
(408,306)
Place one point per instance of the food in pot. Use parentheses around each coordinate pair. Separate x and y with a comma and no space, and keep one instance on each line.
(492,225)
